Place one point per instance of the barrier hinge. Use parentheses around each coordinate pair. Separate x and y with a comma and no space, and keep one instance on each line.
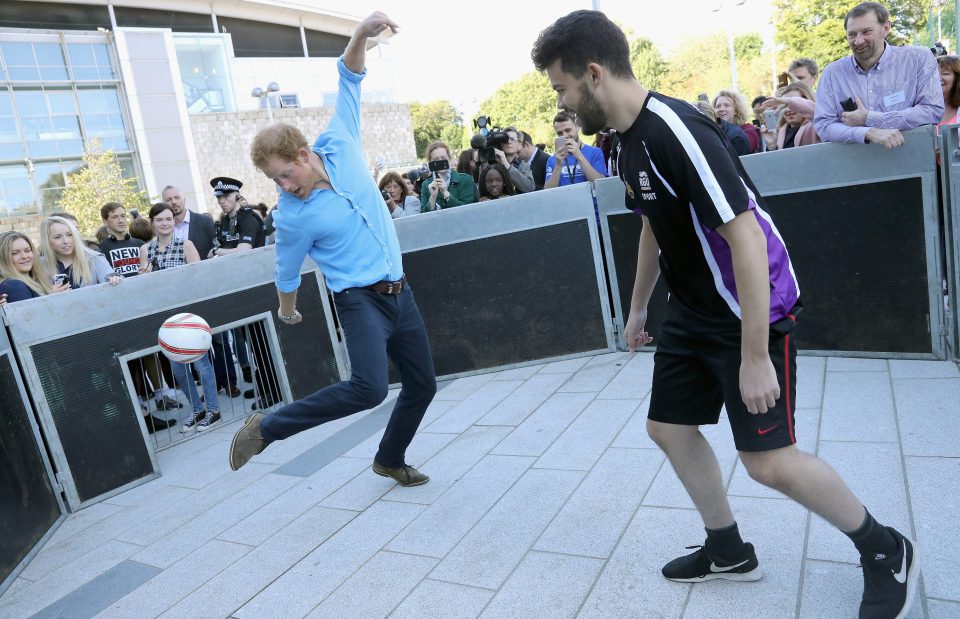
(58,482)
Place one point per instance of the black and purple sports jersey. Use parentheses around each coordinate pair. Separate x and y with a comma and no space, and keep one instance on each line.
(681,174)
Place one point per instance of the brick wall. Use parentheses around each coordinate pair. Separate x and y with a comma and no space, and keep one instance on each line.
(223,141)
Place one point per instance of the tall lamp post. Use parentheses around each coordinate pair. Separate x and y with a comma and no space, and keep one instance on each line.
(264,95)
(732,51)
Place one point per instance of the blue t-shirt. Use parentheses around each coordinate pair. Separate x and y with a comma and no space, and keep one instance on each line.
(16,290)
(571,167)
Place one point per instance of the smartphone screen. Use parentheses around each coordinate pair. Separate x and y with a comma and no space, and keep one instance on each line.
(849,105)
(559,143)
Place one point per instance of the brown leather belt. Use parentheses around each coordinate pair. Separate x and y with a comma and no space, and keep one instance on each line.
(388,287)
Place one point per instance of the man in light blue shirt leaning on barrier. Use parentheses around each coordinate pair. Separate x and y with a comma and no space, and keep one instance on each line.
(331,209)
(880,90)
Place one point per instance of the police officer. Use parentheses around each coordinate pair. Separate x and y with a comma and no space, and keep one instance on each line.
(239,228)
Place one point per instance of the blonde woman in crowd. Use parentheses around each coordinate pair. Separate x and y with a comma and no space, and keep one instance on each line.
(21,275)
(795,127)
(64,255)
(732,107)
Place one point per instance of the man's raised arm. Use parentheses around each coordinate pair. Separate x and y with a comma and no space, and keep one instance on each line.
(356,53)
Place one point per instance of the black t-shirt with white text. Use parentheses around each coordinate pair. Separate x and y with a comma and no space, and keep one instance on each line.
(682,175)
(123,255)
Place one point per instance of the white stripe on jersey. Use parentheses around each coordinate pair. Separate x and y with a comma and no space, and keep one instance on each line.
(657,172)
(714,268)
(769,220)
(693,151)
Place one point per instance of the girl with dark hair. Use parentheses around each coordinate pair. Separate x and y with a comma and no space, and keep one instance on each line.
(950,83)
(495,183)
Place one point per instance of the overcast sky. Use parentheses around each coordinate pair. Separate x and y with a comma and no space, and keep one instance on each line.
(463,51)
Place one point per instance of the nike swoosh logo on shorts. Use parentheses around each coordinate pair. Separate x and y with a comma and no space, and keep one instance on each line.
(901,576)
(765,431)
(716,568)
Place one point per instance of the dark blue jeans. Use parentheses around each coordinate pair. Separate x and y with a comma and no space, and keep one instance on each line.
(376,326)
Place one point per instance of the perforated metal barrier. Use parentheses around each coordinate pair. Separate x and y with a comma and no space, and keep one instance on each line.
(30,506)
(861,226)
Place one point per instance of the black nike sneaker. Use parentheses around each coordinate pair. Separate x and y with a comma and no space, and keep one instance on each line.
(890,582)
(700,566)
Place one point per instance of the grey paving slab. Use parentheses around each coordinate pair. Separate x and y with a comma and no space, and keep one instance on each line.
(78,521)
(545,585)
(328,450)
(424,446)
(181,541)
(173,584)
(776,529)
(858,406)
(94,596)
(935,498)
(810,371)
(929,413)
(15,587)
(594,375)
(521,373)
(132,525)
(461,388)
(544,425)
(245,578)
(634,435)
(634,379)
(631,584)
(450,464)
(586,438)
(307,583)
(287,507)
(360,492)
(490,551)
(943,609)
(62,581)
(808,421)
(564,367)
(534,392)
(438,529)
(906,368)
(667,490)
(592,521)
(833,590)
(443,599)
(376,588)
(879,486)
(848,364)
(474,406)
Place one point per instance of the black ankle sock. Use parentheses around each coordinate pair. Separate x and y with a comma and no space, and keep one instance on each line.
(872,538)
(725,544)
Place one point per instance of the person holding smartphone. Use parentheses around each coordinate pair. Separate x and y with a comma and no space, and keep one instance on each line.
(21,275)
(448,188)
(572,162)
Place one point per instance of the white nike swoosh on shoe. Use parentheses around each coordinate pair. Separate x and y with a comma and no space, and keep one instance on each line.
(716,568)
(901,576)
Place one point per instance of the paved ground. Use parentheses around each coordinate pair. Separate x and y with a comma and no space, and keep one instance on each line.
(547,499)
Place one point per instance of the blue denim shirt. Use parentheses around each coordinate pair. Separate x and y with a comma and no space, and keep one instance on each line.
(347,231)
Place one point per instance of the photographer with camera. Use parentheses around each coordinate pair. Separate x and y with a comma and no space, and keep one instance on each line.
(399,198)
(448,188)
(580,162)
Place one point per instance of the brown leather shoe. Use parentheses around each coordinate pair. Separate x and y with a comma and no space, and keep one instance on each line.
(247,442)
(405,475)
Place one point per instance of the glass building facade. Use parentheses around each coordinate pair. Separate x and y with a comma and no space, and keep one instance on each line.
(205,72)
(57,92)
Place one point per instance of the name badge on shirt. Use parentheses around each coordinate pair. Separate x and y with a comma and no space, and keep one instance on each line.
(894,99)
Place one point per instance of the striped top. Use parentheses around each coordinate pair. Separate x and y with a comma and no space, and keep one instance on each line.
(680,173)
(172,256)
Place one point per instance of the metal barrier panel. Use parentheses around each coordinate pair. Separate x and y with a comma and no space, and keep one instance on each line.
(30,506)
(950,221)
(73,348)
(861,226)
(509,282)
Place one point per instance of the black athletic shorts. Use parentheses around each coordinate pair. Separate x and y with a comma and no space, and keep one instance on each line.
(695,374)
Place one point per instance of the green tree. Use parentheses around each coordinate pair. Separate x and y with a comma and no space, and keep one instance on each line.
(99,181)
(814,28)
(647,63)
(437,120)
(702,65)
(527,103)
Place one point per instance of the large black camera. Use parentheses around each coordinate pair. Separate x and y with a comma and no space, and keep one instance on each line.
(487,140)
